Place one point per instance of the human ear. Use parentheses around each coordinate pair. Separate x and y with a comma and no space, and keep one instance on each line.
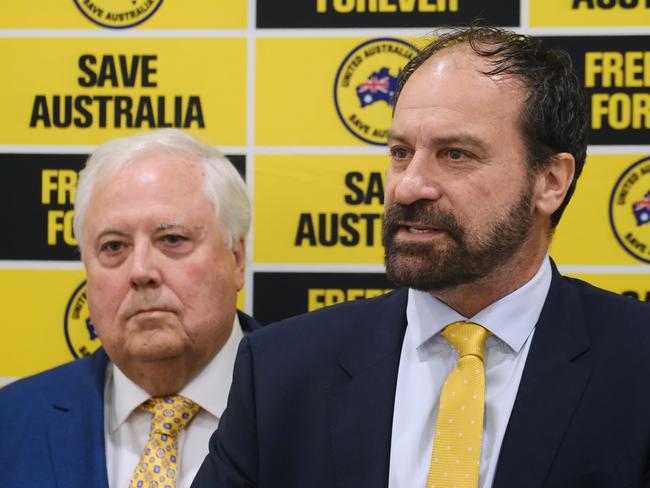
(552,182)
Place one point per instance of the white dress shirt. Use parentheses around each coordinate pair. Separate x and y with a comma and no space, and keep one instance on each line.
(126,427)
(427,358)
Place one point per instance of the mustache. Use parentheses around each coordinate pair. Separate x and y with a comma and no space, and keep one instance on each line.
(423,213)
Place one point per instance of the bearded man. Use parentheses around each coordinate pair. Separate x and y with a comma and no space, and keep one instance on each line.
(488,368)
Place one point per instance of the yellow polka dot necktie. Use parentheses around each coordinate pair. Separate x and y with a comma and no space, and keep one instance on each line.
(158,465)
(456,451)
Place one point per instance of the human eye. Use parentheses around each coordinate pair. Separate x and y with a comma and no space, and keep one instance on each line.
(399,153)
(174,240)
(175,244)
(112,252)
(456,154)
(111,247)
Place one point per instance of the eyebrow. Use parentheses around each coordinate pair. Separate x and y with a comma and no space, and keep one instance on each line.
(461,138)
(110,231)
(157,228)
(168,225)
(392,135)
(164,226)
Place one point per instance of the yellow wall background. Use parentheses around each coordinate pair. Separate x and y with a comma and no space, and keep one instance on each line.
(271,92)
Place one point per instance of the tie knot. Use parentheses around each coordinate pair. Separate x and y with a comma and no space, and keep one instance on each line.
(171,414)
(467,338)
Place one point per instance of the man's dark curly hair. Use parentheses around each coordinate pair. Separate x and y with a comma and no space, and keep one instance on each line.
(554,117)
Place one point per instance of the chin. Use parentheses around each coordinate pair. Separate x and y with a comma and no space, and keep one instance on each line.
(157,348)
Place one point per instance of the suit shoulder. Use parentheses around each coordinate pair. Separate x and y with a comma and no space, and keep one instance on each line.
(602,304)
(53,382)
(326,330)
(306,349)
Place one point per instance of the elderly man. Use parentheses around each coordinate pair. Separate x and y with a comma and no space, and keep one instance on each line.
(488,369)
(161,220)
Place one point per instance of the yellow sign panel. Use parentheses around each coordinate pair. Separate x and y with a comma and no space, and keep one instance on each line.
(34,338)
(589,13)
(628,72)
(106,14)
(319,209)
(74,91)
(594,227)
(319,87)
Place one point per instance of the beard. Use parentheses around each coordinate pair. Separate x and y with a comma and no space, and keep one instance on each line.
(461,258)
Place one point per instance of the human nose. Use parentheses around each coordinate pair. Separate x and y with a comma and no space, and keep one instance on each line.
(418,181)
(145,269)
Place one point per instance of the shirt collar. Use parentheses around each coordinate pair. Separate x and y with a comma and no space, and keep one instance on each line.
(511,318)
(209,388)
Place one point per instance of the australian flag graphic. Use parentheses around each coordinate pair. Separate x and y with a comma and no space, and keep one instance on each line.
(642,210)
(380,85)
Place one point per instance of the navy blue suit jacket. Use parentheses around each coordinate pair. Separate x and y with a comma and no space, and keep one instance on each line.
(52,426)
(311,403)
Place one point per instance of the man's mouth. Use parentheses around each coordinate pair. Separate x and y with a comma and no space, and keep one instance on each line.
(418,230)
(410,231)
(150,312)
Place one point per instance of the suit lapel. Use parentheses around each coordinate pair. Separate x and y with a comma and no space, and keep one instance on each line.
(555,375)
(363,395)
(76,428)
(248,324)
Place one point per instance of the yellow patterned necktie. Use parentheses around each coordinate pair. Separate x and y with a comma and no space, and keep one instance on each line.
(158,464)
(456,451)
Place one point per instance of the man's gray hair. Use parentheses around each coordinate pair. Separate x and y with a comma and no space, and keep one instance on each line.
(223,184)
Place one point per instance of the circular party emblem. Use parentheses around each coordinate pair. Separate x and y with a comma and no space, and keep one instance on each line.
(118,14)
(79,331)
(629,210)
(365,84)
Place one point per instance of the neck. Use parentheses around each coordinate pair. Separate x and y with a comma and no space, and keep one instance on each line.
(470,298)
(162,378)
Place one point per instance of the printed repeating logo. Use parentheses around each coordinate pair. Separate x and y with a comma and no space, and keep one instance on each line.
(365,84)
(629,210)
(79,331)
(118,14)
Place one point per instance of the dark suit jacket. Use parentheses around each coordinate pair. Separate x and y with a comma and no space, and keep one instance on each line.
(311,403)
(52,426)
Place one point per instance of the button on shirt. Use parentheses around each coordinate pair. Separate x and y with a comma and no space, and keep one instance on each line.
(126,427)
(427,358)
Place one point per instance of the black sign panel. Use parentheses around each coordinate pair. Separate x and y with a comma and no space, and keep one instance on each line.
(281,295)
(38,191)
(615,72)
(384,13)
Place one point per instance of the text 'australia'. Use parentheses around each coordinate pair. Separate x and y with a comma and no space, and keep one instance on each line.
(123,72)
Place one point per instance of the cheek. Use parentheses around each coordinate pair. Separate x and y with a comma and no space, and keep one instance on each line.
(497,201)
(209,305)
(106,292)
(206,292)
